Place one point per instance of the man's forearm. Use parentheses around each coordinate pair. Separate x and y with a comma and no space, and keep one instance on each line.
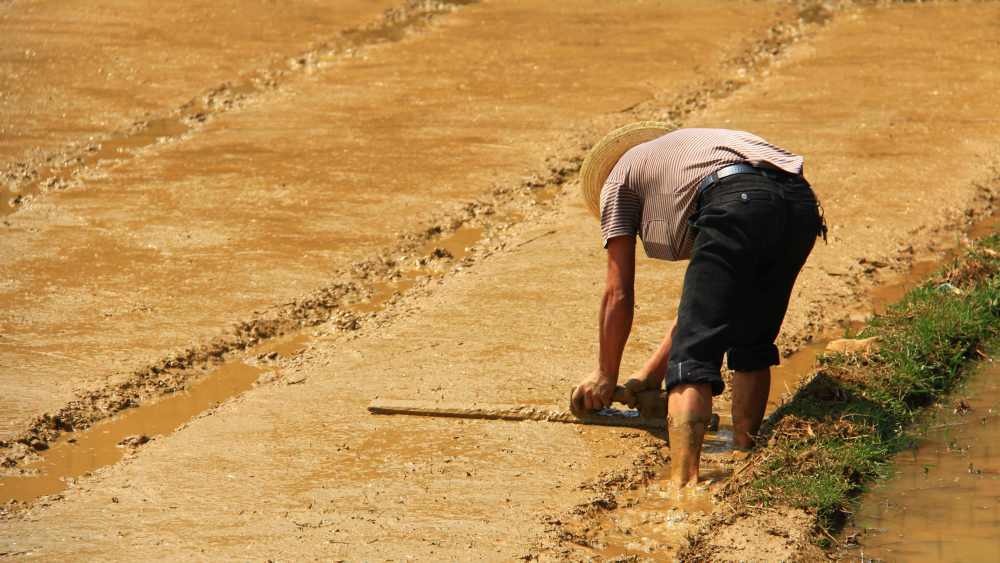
(615,325)
(656,366)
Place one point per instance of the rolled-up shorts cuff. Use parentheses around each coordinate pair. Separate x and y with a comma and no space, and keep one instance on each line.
(752,358)
(692,372)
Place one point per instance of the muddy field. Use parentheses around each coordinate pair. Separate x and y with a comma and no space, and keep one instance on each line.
(228,228)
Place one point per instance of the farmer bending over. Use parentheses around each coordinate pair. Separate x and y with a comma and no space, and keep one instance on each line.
(741,210)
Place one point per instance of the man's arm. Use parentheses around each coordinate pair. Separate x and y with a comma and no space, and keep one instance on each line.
(615,323)
(617,305)
(652,373)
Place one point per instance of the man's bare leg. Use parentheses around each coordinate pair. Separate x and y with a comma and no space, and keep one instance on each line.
(689,409)
(750,392)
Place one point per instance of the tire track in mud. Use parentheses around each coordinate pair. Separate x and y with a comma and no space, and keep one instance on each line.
(347,302)
(66,168)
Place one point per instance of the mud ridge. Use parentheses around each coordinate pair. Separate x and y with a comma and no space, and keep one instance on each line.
(867,272)
(744,67)
(69,166)
(416,256)
(412,257)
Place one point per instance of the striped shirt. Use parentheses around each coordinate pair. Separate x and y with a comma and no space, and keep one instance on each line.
(652,190)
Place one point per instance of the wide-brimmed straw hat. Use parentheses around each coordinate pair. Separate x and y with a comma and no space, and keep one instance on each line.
(605,155)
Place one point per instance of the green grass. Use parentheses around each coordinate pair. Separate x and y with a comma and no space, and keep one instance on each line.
(841,430)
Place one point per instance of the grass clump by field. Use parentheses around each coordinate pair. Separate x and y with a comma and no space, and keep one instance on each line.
(842,428)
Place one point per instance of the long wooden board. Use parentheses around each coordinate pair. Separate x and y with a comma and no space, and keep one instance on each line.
(606,417)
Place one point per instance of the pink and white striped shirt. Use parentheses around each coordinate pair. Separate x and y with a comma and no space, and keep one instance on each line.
(652,190)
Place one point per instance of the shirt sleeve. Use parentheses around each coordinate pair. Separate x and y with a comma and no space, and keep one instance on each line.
(621,210)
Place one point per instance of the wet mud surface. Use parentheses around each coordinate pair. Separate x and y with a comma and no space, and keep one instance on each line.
(477,282)
(60,83)
(71,165)
(943,500)
(277,197)
(75,454)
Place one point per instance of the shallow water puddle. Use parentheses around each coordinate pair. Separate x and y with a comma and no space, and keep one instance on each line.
(77,453)
(118,148)
(882,296)
(943,503)
(452,246)
(656,518)
(785,377)
(457,244)
(885,295)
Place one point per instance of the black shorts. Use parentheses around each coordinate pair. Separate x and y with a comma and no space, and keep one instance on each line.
(753,234)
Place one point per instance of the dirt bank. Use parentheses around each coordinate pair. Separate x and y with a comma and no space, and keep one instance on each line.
(289,471)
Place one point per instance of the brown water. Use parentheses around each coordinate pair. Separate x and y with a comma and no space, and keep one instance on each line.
(655,519)
(887,294)
(876,144)
(120,147)
(455,246)
(77,453)
(785,377)
(943,503)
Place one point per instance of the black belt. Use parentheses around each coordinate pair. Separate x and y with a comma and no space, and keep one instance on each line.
(742,169)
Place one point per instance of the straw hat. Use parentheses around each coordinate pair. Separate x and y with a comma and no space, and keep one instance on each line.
(605,155)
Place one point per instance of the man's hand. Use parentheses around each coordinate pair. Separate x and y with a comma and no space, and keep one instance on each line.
(651,375)
(639,383)
(594,393)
